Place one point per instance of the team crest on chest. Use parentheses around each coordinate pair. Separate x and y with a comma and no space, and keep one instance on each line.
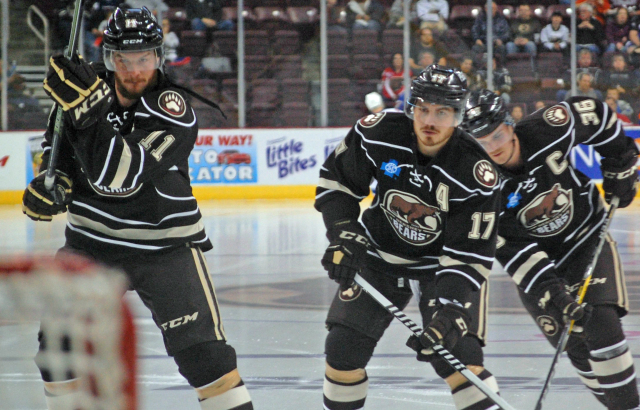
(549,213)
(172,103)
(485,174)
(413,220)
(556,115)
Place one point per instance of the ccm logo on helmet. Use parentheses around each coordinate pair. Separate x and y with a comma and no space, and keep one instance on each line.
(136,41)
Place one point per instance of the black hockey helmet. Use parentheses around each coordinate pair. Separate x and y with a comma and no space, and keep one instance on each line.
(132,30)
(438,84)
(484,111)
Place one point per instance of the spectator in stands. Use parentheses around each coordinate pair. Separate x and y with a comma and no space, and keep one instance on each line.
(617,31)
(18,99)
(501,80)
(621,77)
(433,14)
(426,43)
(555,36)
(396,14)
(516,113)
(466,66)
(585,65)
(426,58)
(524,30)
(334,19)
(94,17)
(171,42)
(393,79)
(375,104)
(601,9)
(622,107)
(589,31)
(585,88)
(538,105)
(501,33)
(365,15)
(207,14)
(633,47)
(157,7)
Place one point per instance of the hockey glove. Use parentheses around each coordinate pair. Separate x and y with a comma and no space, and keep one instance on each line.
(76,87)
(619,178)
(448,326)
(37,202)
(347,251)
(554,293)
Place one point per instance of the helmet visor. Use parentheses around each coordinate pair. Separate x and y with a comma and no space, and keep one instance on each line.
(497,138)
(134,60)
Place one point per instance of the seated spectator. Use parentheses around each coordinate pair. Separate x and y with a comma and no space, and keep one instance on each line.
(538,105)
(206,15)
(585,88)
(633,46)
(516,113)
(393,79)
(524,30)
(466,66)
(18,100)
(396,14)
(555,36)
(171,42)
(617,31)
(585,65)
(334,20)
(622,106)
(601,9)
(433,14)
(621,77)
(426,58)
(365,15)
(589,31)
(624,120)
(501,80)
(426,43)
(501,33)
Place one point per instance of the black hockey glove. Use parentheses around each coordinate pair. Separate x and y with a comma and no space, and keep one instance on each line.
(76,87)
(347,251)
(619,178)
(37,202)
(448,326)
(554,293)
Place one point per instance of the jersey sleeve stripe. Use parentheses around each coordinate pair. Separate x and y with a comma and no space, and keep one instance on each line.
(481,192)
(136,233)
(164,117)
(336,186)
(457,272)
(506,267)
(448,261)
(135,179)
(106,163)
(115,242)
(540,272)
(614,136)
(527,266)
(602,127)
(175,198)
(123,166)
(473,255)
(613,120)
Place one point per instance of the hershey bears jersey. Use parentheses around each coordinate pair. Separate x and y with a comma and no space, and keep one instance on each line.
(436,216)
(549,208)
(131,179)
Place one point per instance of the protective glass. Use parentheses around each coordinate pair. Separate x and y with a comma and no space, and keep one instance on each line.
(135,60)
(432,114)
(496,139)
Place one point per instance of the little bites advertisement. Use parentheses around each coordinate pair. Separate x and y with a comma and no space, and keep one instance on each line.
(227,157)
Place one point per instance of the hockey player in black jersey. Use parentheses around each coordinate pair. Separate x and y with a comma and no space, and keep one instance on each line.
(433,218)
(123,165)
(549,223)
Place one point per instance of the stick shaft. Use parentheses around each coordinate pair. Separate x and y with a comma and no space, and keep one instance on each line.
(441,351)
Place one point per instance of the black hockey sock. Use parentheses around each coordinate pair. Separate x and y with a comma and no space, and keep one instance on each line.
(469,397)
(345,390)
(613,367)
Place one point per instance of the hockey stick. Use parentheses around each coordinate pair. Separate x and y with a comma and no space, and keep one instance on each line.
(49,179)
(564,337)
(441,351)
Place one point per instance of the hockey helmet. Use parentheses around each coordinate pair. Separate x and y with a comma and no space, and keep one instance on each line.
(484,112)
(132,31)
(438,84)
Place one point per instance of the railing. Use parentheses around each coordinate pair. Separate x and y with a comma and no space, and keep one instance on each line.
(44,37)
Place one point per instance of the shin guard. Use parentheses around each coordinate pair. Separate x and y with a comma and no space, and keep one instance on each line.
(345,389)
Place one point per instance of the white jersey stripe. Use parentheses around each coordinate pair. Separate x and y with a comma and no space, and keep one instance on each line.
(472,280)
(106,162)
(329,184)
(123,166)
(136,233)
(164,117)
(604,115)
(113,241)
(135,179)
(132,222)
(381,143)
(481,192)
(506,267)
(175,198)
(475,255)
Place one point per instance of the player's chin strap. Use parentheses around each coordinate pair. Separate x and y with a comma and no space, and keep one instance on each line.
(198,96)
(564,337)
(438,349)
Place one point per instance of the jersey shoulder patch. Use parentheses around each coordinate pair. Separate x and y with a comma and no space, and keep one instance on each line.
(169,105)
(556,115)
(371,120)
(172,103)
(485,173)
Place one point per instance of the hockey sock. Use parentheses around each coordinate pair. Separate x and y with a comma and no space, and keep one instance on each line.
(613,367)
(466,396)
(226,393)
(589,379)
(62,395)
(345,389)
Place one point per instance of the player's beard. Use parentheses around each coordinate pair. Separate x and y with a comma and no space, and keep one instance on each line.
(134,95)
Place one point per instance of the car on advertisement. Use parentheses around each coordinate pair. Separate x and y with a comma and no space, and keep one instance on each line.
(233,156)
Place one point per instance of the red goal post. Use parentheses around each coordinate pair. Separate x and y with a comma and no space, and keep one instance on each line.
(88,327)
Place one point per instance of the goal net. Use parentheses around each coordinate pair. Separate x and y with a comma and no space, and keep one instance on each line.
(87,328)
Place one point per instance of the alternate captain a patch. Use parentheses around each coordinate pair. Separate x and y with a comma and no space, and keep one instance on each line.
(172,103)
